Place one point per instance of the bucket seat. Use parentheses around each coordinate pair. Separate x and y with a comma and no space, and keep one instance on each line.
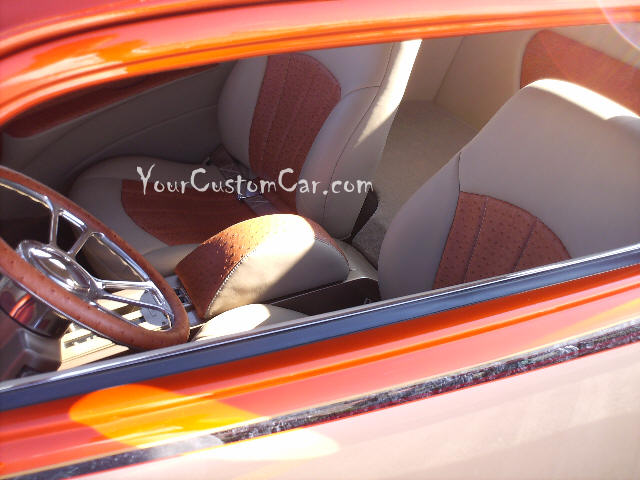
(323,114)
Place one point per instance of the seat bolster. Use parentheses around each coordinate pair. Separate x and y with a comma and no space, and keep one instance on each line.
(99,191)
(102,198)
(422,225)
(236,105)
(244,319)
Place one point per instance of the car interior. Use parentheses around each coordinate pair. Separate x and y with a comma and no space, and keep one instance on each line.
(191,205)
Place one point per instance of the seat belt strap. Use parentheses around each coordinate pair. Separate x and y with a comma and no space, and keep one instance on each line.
(231,170)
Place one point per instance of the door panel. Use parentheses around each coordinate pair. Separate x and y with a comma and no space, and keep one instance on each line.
(175,120)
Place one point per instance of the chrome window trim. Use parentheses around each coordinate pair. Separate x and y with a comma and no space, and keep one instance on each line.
(173,360)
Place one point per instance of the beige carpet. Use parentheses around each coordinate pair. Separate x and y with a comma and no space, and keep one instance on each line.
(422,139)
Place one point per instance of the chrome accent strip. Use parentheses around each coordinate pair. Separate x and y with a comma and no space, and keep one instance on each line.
(623,334)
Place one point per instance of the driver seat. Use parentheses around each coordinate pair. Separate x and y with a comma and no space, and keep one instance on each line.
(554,175)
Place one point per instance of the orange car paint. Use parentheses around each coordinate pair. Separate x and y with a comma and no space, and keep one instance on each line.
(108,421)
(22,25)
(48,66)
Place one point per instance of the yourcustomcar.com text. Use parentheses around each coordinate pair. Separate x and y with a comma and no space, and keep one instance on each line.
(286,181)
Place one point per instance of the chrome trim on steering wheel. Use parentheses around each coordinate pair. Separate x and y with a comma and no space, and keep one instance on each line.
(62,267)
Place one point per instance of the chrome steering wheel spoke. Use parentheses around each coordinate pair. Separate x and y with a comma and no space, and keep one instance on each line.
(53,226)
(61,265)
(80,242)
(108,289)
(123,285)
(133,302)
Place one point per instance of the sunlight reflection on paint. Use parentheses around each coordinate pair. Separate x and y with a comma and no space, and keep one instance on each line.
(141,415)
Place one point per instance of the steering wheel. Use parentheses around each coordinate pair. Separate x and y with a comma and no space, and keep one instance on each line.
(52,274)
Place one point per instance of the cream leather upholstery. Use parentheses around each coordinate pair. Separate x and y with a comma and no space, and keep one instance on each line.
(563,153)
(348,147)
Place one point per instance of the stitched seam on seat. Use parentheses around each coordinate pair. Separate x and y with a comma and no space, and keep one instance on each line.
(456,158)
(229,275)
(250,254)
(339,250)
(302,142)
(526,242)
(344,148)
(349,139)
(475,241)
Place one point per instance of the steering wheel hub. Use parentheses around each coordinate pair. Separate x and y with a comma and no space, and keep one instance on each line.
(58,266)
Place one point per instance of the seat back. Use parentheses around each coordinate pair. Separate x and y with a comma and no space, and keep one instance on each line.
(325,114)
(555,174)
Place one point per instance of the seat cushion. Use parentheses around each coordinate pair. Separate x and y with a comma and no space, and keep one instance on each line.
(179,219)
(244,319)
(164,227)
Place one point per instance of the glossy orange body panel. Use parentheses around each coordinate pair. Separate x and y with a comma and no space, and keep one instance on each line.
(40,71)
(21,24)
(118,419)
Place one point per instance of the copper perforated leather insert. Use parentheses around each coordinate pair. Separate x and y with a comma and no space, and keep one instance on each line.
(489,237)
(296,97)
(551,55)
(204,271)
(179,219)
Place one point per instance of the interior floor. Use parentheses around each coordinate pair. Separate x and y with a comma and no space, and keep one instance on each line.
(424,137)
